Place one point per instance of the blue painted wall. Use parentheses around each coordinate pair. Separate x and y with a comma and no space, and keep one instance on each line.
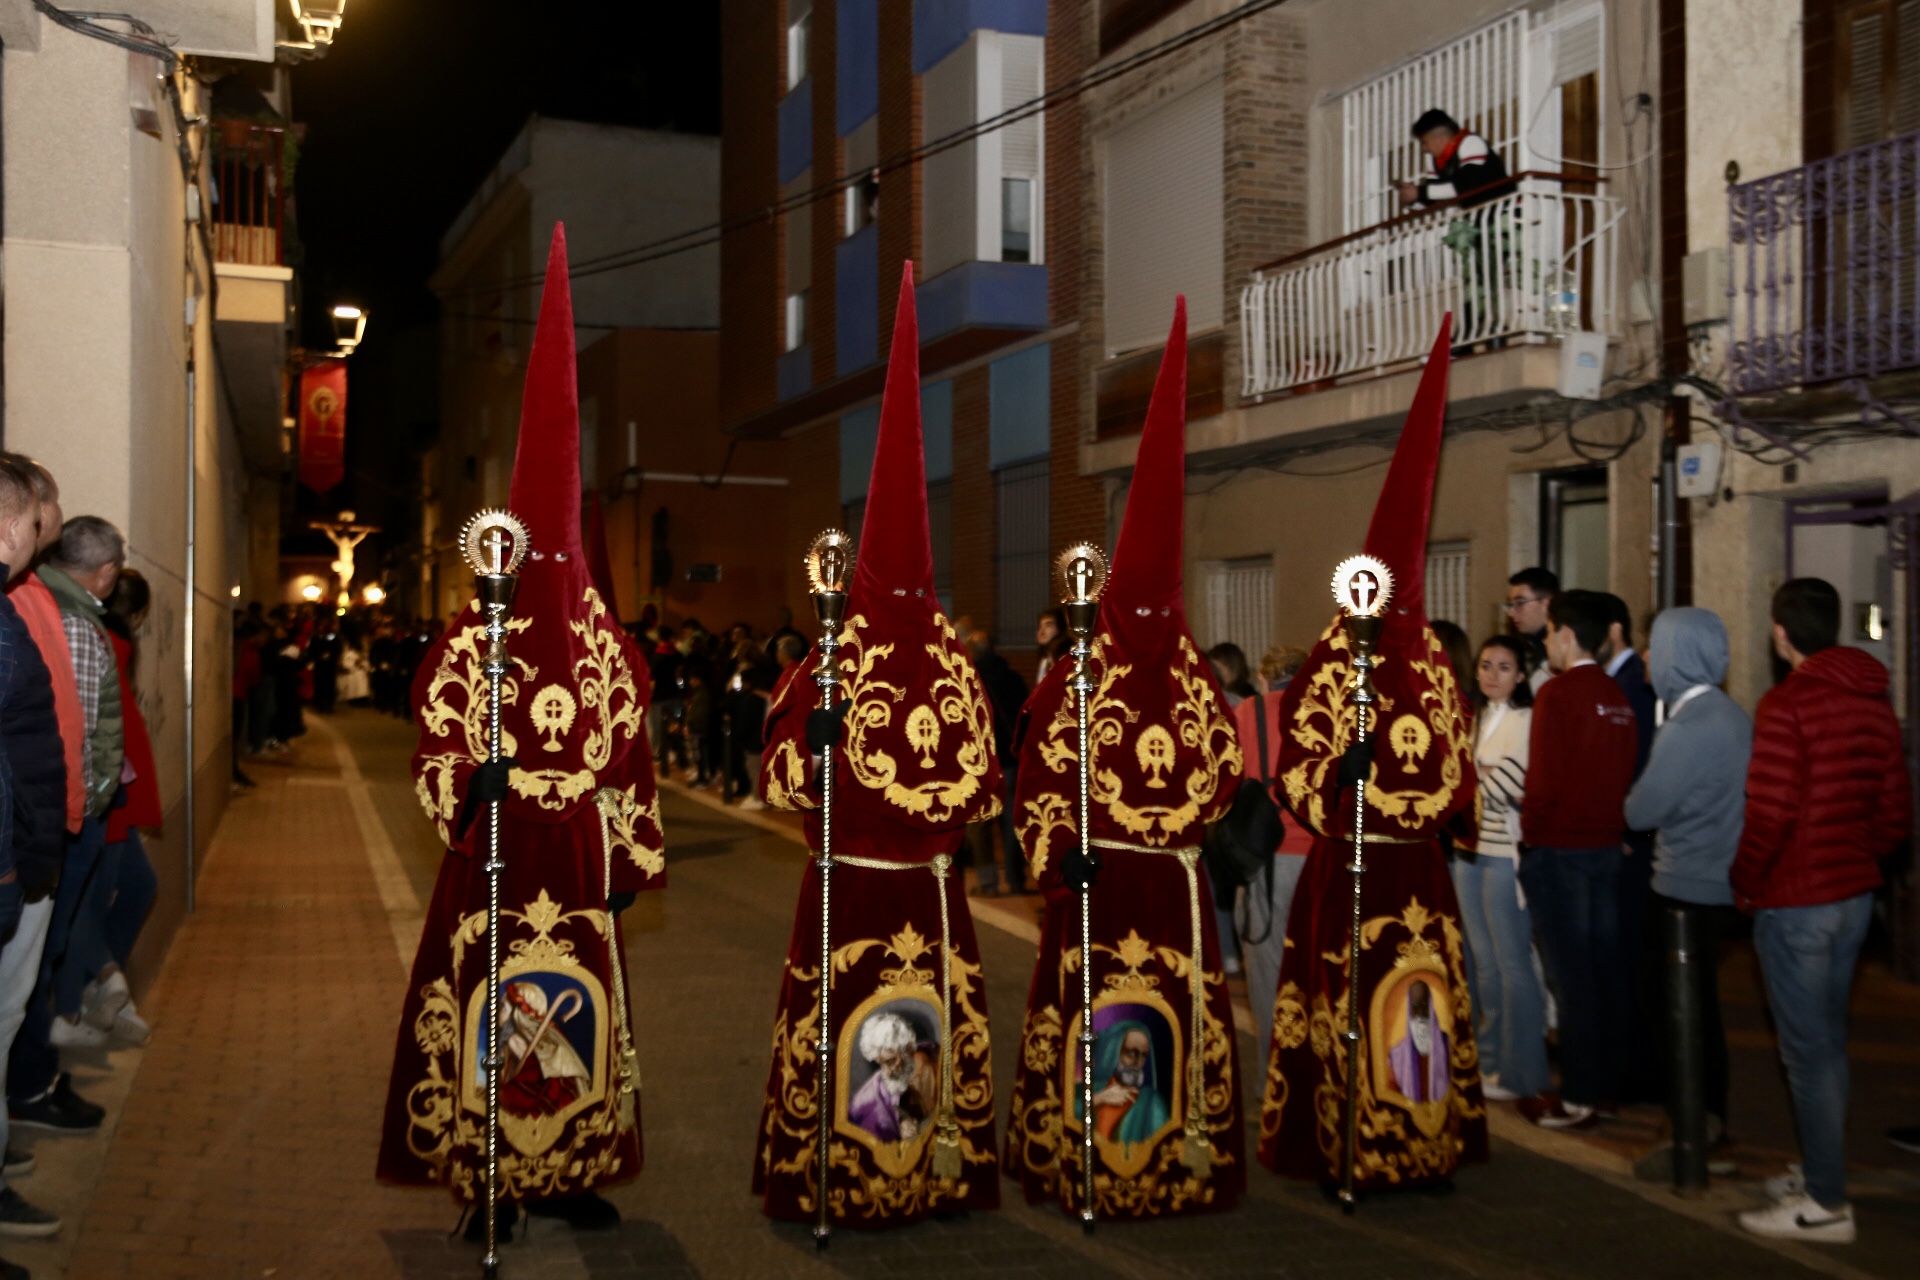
(859,432)
(993,295)
(1019,407)
(856,300)
(796,130)
(856,63)
(936,419)
(941,26)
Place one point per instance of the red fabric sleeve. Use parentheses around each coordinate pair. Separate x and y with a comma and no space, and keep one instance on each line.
(1774,785)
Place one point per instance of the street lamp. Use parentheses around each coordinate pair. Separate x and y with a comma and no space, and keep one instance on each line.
(311,592)
(374,594)
(349,327)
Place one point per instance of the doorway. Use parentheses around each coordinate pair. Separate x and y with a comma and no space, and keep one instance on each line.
(1574,527)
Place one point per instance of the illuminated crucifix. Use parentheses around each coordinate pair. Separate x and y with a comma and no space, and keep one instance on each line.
(345,536)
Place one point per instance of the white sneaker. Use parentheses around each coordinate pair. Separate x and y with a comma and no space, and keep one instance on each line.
(752,804)
(1787,1185)
(1569,1115)
(102,1001)
(130,1028)
(1801,1218)
(1493,1091)
(76,1035)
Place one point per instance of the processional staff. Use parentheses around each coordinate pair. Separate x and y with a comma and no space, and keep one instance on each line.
(1361,587)
(829,563)
(494,544)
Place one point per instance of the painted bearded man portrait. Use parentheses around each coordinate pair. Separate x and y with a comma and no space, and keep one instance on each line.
(1128,1106)
(897,1099)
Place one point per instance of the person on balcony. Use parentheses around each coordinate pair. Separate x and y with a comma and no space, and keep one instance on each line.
(1468,172)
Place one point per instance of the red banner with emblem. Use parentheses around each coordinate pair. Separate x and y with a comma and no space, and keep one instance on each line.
(323,425)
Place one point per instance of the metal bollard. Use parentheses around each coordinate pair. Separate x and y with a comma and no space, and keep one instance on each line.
(1686,1049)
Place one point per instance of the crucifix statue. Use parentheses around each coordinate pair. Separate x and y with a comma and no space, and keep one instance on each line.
(345,536)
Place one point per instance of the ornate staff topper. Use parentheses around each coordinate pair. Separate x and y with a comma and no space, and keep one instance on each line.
(1362,585)
(1083,576)
(829,563)
(495,544)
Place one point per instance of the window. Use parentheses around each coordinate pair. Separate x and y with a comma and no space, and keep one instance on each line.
(1021,558)
(799,28)
(1240,605)
(1573,522)
(796,330)
(860,205)
(1165,208)
(983,197)
(1448,596)
(1016,220)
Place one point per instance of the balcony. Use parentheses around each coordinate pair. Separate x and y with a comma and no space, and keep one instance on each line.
(250,183)
(1525,267)
(1824,271)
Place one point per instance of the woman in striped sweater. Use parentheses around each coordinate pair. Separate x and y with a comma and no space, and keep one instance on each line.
(1509,1006)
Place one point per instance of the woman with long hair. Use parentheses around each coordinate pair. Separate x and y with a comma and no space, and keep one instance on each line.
(1509,1006)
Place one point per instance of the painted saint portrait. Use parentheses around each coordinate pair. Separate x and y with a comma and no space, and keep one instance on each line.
(894,1080)
(1418,1059)
(1133,1072)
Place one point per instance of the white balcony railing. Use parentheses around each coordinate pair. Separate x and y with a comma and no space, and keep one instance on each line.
(1533,263)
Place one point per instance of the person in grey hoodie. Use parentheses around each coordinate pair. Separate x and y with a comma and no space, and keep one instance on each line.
(1693,792)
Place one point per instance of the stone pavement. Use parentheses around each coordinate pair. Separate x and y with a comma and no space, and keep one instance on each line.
(245,1143)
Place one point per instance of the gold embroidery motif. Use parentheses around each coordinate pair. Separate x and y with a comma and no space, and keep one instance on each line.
(552,711)
(923,734)
(457,697)
(625,833)
(1196,722)
(603,685)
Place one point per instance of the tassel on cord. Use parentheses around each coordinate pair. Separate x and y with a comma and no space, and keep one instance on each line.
(946,1150)
(1197,1153)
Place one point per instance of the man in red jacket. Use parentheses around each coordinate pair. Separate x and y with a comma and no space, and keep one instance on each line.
(1827,799)
(1582,747)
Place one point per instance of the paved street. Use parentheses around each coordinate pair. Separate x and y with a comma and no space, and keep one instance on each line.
(246,1140)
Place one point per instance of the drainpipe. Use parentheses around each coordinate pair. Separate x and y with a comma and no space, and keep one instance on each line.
(193,584)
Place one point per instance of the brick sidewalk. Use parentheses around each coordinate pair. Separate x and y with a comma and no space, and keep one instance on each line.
(246,1145)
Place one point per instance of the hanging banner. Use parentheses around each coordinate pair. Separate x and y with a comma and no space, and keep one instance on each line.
(323,425)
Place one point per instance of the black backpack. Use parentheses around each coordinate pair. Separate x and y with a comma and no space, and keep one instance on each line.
(1239,848)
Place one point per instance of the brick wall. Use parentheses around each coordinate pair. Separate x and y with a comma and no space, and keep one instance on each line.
(899,131)
(813,504)
(750,266)
(1077,505)
(974,525)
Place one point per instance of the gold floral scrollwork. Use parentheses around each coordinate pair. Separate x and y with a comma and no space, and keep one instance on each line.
(606,685)
(958,702)
(551,788)
(634,829)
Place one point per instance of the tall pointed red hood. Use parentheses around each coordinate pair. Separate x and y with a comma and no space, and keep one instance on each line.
(1398,534)
(1144,589)
(573,706)
(896,547)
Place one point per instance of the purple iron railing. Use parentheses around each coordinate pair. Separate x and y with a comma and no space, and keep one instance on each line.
(1823,269)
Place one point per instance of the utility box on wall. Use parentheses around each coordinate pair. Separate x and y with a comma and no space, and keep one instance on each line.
(1583,365)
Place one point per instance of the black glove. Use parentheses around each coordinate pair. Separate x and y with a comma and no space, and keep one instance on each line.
(1356,762)
(826,727)
(619,902)
(488,785)
(1079,868)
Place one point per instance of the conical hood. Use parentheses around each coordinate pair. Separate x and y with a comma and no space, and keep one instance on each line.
(546,461)
(1147,561)
(1398,534)
(896,549)
(599,563)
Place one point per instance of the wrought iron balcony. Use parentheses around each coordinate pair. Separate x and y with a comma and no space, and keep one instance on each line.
(1823,271)
(1533,263)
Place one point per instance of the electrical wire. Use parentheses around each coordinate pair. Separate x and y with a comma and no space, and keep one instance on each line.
(713,233)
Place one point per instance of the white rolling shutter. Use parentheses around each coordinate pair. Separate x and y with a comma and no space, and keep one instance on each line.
(1164,209)
(1240,605)
(950,178)
(1448,597)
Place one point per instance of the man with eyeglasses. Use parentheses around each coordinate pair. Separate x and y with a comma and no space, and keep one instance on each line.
(1529,592)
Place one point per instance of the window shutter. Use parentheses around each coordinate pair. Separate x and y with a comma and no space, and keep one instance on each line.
(1240,605)
(949,103)
(1576,50)
(1865,76)
(1164,210)
(1020,61)
(1448,599)
(1906,90)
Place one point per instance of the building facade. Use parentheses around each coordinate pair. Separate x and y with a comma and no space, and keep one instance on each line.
(145,345)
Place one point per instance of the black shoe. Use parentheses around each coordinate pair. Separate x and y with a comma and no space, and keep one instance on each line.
(13,1271)
(24,1221)
(583,1212)
(19,1163)
(1907,1138)
(505,1217)
(59,1109)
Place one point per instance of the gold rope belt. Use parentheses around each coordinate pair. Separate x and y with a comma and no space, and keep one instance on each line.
(1346,838)
(1198,1147)
(946,1154)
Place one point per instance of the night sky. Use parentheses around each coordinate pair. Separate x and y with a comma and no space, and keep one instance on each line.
(404,117)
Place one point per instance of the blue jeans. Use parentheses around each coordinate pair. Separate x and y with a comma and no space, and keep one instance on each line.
(1510,1010)
(134,889)
(1807,956)
(1574,895)
(1263,957)
(34,1064)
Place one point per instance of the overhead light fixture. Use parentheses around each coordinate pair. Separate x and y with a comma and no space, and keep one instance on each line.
(349,327)
(374,593)
(311,592)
